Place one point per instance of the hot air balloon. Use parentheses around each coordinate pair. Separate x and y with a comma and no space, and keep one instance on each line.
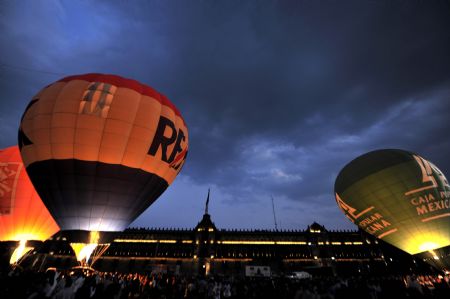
(397,196)
(23,216)
(100,149)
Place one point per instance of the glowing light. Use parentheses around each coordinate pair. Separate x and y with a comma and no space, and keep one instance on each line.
(425,241)
(290,243)
(135,241)
(19,252)
(413,212)
(249,242)
(84,251)
(433,254)
(427,246)
(94,237)
(148,241)
(23,215)
(27,236)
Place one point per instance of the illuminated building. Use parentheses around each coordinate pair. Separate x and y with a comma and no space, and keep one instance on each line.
(209,250)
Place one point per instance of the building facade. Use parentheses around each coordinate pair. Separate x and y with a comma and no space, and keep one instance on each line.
(206,250)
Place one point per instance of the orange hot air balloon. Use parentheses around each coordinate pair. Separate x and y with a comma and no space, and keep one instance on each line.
(23,216)
(100,149)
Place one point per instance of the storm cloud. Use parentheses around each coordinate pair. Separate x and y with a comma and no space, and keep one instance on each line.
(278,95)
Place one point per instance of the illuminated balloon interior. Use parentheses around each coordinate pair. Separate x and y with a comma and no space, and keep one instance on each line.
(399,197)
(23,215)
(100,149)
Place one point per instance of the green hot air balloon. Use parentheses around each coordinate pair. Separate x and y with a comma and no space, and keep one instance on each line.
(397,196)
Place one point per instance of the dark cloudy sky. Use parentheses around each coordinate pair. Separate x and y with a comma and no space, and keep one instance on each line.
(278,95)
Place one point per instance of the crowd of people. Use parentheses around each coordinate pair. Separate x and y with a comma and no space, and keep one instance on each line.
(98,285)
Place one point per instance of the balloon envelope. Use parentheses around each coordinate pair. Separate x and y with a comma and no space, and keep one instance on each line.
(100,149)
(23,216)
(397,196)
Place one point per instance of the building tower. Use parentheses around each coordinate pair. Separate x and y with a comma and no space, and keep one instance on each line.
(205,240)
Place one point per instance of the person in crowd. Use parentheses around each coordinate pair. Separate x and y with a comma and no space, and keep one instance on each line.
(100,285)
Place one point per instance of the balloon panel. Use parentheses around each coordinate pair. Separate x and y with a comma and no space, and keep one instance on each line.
(23,216)
(397,196)
(95,196)
(101,148)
